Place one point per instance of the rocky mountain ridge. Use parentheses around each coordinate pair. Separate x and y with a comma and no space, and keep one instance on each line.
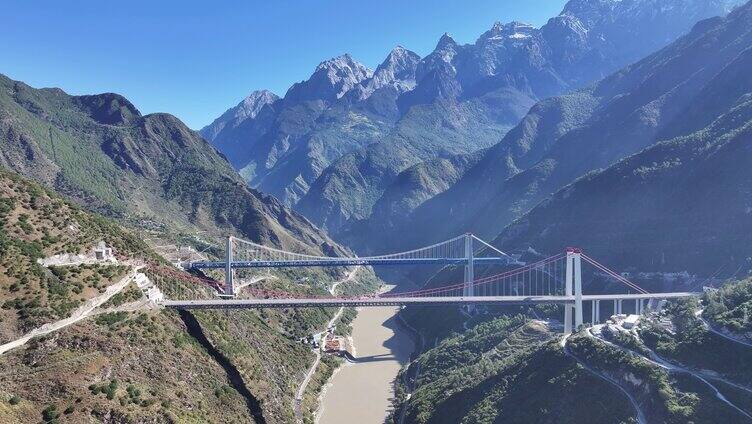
(567,136)
(313,151)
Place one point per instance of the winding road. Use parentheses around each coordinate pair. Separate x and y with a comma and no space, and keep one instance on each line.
(640,415)
(298,401)
(82,312)
(712,329)
(658,361)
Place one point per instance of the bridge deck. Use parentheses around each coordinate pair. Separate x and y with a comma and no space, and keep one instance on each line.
(344,262)
(403,301)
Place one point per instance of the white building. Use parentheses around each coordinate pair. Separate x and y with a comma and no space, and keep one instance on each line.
(102,252)
(630,321)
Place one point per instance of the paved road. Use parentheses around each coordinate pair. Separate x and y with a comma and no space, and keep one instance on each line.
(400,301)
(658,361)
(312,370)
(82,312)
(245,283)
(712,329)
(640,415)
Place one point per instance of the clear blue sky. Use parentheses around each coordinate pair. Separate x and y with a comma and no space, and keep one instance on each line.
(195,59)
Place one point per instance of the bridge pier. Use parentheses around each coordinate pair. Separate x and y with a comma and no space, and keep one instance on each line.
(596,312)
(568,292)
(577,290)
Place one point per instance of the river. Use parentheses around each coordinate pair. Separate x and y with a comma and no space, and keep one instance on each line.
(362,391)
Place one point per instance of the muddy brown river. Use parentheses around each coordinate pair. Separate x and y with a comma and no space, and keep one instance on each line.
(362,391)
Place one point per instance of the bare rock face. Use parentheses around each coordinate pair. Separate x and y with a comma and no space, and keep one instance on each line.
(458,99)
(248,108)
(330,81)
(397,71)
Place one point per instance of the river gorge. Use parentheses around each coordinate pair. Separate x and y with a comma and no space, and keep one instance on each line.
(364,388)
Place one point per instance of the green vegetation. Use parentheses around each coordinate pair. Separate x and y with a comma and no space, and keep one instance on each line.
(692,345)
(130,293)
(69,364)
(344,324)
(730,307)
(149,171)
(351,185)
(31,295)
(108,390)
(661,400)
(486,375)
(50,414)
(110,319)
(324,371)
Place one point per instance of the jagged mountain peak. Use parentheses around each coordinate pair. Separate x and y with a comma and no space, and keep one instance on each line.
(398,61)
(257,96)
(331,80)
(397,70)
(445,42)
(399,53)
(344,61)
(514,30)
(248,108)
(252,104)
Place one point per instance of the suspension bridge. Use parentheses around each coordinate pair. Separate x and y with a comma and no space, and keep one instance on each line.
(554,280)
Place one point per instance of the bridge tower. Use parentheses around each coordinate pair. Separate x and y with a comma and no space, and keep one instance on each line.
(469,271)
(573,281)
(229,287)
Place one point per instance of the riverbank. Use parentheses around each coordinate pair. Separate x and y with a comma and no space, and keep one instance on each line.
(365,388)
(408,377)
(314,368)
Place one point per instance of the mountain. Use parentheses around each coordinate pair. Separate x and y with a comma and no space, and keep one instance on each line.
(341,107)
(248,108)
(117,367)
(693,191)
(489,373)
(325,136)
(396,71)
(681,363)
(468,96)
(567,136)
(129,360)
(331,80)
(146,170)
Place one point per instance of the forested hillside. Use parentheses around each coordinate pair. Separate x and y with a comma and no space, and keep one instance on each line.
(132,364)
(147,170)
(684,363)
